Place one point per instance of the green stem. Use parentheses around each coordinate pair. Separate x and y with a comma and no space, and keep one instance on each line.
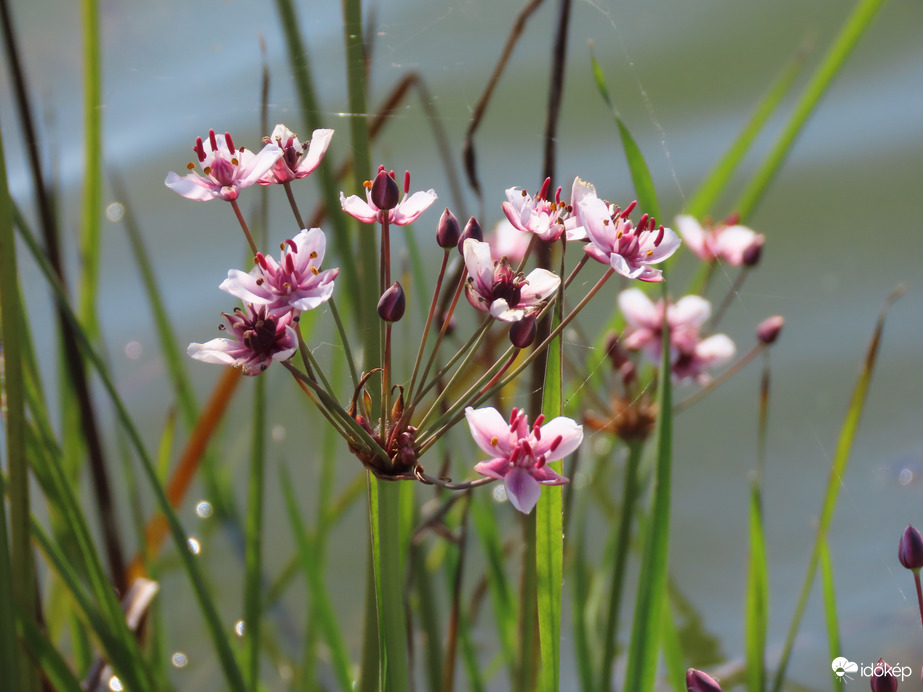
(254,531)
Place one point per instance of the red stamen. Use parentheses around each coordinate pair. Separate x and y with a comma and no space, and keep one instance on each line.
(199,149)
(290,263)
(643,222)
(659,237)
(291,244)
(213,140)
(555,443)
(630,208)
(261,260)
(543,194)
(229,141)
(406,182)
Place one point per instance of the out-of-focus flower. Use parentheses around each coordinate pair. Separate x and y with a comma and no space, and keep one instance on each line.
(883,677)
(295,282)
(733,244)
(496,288)
(629,250)
(910,550)
(520,453)
(690,354)
(697,681)
(406,211)
(536,215)
(508,241)
(298,159)
(260,337)
(769,329)
(226,169)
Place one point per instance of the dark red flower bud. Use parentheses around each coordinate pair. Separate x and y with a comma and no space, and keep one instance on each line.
(448,231)
(883,677)
(768,330)
(910,551)
(385,192)
(754,251)
(392,303)
(697,681)
(472,230)
(522,333)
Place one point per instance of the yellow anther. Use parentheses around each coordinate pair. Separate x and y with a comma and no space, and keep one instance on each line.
(494,441)
(190,165)
(313,255)
(314,271)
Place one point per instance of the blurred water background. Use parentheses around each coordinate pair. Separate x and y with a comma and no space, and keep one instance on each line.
(842,222)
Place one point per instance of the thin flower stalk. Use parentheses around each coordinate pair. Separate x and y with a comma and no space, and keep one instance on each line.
(429,322)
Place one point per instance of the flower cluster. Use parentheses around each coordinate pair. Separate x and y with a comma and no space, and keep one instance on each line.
(390,430)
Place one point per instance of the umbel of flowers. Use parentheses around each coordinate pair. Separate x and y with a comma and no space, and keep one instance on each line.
(416,410)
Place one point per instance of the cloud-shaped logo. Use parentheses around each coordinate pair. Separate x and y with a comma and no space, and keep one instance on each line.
(842,665)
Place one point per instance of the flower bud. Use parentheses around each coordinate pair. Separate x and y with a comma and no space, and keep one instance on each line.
(697,681)
(883,677)
(448,231)
(768,330)
(754,251)
(391,304)
(910,551)
(385,192)
(472,230)
(522,333)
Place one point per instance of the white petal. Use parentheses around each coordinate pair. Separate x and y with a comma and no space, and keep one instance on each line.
(522,490)
(486,425)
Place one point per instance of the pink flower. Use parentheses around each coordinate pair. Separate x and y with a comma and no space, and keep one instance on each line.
(226,169)
(728,243)
(519,453)
(538,215)
(496,288)
(298,160)
(295,282)
(627,249)
(407,210)
(574,225)
(260,337)
(690,354)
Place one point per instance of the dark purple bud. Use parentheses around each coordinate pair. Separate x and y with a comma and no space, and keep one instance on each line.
(697,681)
(768,330)
(910,552)
(392,303)
(448,231)
(754,251)
(472,230)
(522,333)
(385,192)
(883,677)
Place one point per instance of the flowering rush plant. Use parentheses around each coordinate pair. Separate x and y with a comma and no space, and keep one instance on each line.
(469,355)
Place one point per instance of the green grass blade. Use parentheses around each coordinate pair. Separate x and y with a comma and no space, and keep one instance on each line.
(49,661)
(91,216)
(549,533)
(326,619)
(637,166)
(641,673)
(16,577)
(253,537)
(672,648)
(834,483)
(757,600)
(703,200)
(829,591)
(860,20)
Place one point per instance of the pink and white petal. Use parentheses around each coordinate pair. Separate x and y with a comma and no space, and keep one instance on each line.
(598,222)
(310,242)
(596,253)
(522,489)
(638,309)
(579,191)
(494,468)
(500,310)
(308,300)
(630,270)
(191,186)
(732,242)
(516,214)
(548,476)
(320,140)
(358,208)
(509,242)
(290,342)
(694,235)
(486,425)
(479,263)
(218,351)
(246,287)
(252,169)
(715,350)
(567,429)
(410,209)
(649,274)
(667,247)
(540,285)
(689,312)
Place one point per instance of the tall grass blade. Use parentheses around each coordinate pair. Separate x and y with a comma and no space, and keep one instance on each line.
(829,591)
(859,21)
(253,562)
(834,482)
(641,673)
(757,601)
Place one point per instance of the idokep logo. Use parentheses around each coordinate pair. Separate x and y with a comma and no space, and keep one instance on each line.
(842,667)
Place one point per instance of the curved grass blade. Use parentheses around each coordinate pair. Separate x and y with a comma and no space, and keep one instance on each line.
(829,591)
(860,20)
(840,460)
(637,166)
(50,662)
(703,200)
